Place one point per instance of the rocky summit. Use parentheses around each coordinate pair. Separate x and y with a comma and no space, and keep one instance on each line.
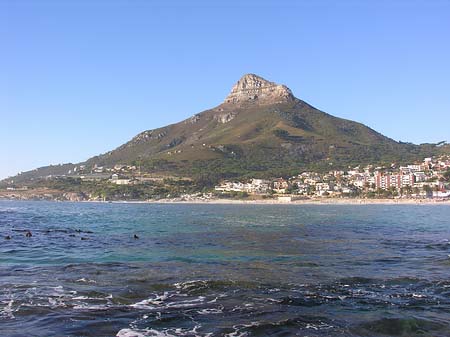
(254,88)
(261,129)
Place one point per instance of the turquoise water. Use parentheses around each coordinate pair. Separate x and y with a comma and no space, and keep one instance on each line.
(224,270)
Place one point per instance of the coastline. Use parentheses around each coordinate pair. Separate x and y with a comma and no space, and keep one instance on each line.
(301,202)
(49,196)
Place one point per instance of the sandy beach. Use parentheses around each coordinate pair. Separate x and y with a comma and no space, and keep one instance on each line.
(331,201)
(53,195)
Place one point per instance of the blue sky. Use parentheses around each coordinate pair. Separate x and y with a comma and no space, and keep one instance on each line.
(80,77)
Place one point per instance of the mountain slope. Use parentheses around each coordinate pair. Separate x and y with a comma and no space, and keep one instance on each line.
(259,116)
(260,128)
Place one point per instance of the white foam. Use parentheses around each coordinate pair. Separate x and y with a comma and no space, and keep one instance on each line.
(236,334)
(190,284)
(210,311)
(85,280)
(110,296)
(91,307)
(319,326)
(171,332)
(187,303)
(213,301)
(81,298)
(237,328)
(151,303)
(8,310)
(142,333)
(158,302)
(129,333)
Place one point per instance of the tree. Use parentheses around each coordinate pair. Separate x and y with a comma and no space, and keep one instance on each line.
(428,190)
(366,186)
(446,175)
(379,191)
(310,190)
(392,191)
(206,180)
(408,190)
(292,189)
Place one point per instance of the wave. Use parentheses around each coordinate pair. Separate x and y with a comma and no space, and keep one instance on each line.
(202,307)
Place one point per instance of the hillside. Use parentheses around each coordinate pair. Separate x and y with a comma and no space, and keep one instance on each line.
(260,129)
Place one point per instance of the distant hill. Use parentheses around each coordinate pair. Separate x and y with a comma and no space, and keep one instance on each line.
(261,129)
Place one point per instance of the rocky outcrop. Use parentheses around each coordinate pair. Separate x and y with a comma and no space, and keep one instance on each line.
(252,88)
(225,117)
(72,196)
(192,120)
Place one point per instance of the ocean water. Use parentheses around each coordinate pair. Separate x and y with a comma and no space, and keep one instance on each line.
(224,270)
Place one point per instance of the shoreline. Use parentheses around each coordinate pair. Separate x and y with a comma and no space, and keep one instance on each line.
(302,202)
(331,201)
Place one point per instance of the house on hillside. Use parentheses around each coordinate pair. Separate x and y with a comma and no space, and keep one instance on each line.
(280,185)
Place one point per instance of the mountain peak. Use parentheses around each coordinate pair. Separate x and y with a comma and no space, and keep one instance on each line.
(254,88)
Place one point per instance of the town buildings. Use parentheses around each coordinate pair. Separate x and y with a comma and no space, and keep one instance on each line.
(416,180)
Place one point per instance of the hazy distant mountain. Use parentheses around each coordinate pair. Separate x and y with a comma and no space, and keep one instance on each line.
(260,128)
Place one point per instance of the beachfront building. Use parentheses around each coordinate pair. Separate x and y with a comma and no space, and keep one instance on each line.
(255,186)
(417,179)
(280,185)
(397,181)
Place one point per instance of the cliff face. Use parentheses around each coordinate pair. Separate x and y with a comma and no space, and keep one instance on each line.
(254,88)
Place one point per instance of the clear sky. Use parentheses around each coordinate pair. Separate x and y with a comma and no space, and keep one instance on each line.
(81,77)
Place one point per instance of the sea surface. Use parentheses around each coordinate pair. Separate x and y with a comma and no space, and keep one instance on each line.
(224,270)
